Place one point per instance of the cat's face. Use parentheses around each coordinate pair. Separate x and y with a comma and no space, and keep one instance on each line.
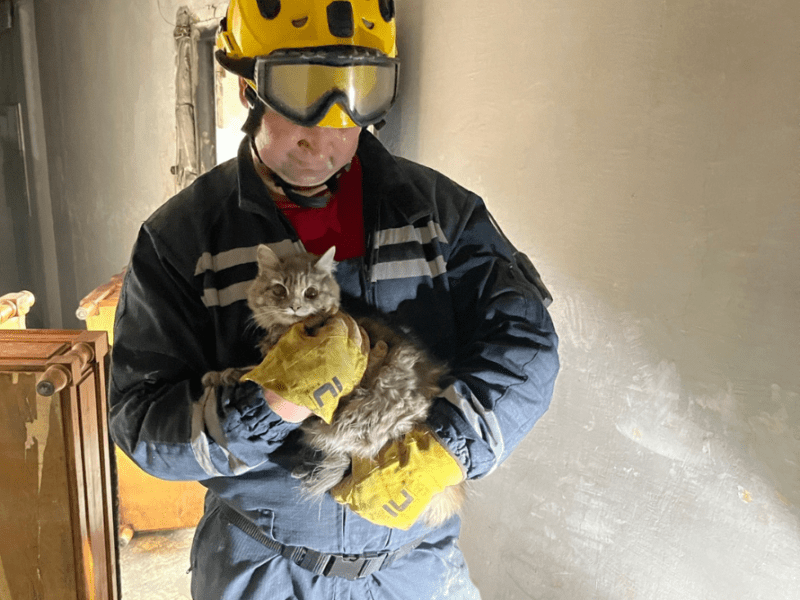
(290,289)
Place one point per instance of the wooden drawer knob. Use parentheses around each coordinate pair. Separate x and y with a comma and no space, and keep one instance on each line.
(57,376)
(83,351)
(55,379)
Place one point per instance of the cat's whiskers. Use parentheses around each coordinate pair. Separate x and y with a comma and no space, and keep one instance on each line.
(251,326)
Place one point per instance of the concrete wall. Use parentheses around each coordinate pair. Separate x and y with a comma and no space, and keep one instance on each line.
(645,155)
(108,87)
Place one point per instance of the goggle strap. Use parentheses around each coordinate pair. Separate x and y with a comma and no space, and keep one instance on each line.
(251,97)
(246,67)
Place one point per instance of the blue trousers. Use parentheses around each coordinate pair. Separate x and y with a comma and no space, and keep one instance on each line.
(227,564)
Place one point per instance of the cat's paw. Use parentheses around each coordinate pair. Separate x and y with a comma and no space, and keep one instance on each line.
(309,460)
(311,486)
(315,322)
(324,475)
(303,472)
(377,356)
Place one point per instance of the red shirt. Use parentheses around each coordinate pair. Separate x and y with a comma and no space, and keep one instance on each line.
(340,223)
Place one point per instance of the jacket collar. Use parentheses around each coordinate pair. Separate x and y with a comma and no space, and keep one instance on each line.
(385,182)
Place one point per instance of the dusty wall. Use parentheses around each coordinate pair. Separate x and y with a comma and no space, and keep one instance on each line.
(645,155)
(108,73)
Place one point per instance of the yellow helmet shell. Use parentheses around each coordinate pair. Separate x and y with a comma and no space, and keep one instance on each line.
(258,27)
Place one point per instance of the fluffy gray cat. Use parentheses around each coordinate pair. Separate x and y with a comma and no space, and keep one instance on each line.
(394,395)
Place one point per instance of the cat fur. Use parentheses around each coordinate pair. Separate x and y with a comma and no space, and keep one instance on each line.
(393,397)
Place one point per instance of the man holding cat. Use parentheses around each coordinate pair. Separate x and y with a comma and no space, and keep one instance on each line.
(410,244)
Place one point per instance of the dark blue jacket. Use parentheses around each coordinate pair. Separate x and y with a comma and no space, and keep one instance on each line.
(435,262)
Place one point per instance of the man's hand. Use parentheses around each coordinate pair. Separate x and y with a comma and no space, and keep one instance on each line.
(291,413)
(394,489)
(313,372)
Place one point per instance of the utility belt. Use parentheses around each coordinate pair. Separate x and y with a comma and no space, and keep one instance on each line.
(348,566)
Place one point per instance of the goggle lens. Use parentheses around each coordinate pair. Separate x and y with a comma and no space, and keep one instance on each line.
(305,92)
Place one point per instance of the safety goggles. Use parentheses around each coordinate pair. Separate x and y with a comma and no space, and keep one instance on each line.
(303,84)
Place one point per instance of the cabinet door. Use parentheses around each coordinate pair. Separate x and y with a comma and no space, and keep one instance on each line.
(55,478)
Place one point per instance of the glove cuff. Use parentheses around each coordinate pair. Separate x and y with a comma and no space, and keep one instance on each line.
(443,467)
(394,489)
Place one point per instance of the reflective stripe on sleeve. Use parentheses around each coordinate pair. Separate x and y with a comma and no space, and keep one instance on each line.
(226,296)
(475,413)
(205,424)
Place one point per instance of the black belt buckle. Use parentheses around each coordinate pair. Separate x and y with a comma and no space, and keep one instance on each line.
(353,566)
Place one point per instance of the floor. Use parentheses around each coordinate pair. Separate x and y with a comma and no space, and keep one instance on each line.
(154,566)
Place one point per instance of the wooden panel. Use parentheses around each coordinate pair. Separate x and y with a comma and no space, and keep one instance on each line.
(36,548)
(56,502)
(33,351)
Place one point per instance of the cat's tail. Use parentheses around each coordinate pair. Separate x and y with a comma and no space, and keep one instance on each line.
(317,479)
(445,504)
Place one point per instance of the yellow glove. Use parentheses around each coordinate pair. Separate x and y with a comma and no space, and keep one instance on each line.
(394,489)
(315,371)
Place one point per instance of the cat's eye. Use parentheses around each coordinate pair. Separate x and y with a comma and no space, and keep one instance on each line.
(311,293)
(279,291)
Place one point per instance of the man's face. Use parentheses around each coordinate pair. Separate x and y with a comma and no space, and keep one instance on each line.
(303,156)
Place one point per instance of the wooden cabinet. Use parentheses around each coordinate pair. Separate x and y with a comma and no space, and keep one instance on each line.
(146,503)
(56,496)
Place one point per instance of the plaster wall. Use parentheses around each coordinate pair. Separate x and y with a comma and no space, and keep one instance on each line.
(645,155)
(108,91)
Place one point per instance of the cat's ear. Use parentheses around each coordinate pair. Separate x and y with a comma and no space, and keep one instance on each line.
(267,259)
(326,262)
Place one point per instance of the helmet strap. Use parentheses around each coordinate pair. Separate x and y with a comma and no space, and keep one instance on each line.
(255,114)
(321,201)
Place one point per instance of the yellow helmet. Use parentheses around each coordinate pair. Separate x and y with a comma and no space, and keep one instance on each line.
(331,63)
